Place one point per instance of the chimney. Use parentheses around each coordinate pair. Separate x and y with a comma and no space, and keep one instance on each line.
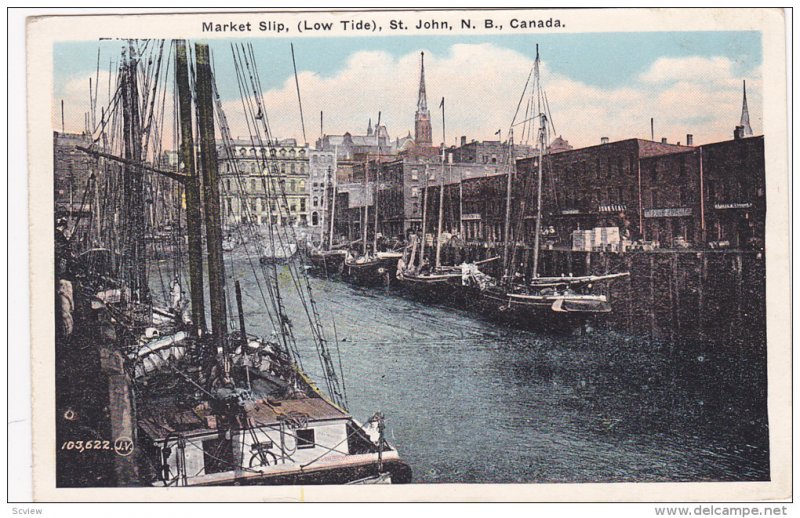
(689,139)
(663,140)
(604,140)
(738,132)
(463,140)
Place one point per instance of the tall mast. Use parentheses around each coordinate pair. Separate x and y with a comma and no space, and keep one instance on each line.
(542,130)
(208,157)
(365,218)
(194,223)
(333,195)
(460,200)
(375,190)
(134,188)
(424,216)
(509,172)
(441,195)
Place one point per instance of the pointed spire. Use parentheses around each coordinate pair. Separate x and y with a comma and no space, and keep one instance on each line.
(423,133)
(422,101)
(369,128)
(747,131)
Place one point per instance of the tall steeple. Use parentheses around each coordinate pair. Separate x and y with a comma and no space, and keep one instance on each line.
(747,131)
(369,128)
(423,134)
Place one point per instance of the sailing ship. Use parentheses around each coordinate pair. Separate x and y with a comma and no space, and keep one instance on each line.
(437,283)
(212,406)
(551,303)
(365,266)
(325,258)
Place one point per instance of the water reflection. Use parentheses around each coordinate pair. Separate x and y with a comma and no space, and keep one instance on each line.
(470,401)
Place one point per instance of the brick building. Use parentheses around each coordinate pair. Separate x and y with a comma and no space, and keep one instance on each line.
(651,191)
(260,185)
(402,190)
(731,212)
(488,152)
(593,186)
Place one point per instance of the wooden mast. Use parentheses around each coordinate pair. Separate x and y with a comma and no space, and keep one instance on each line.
(441,196)
(133,182)
(375,190)
(333,195)
(208,160)
(424,216)
(542,130)
(194,223)
(506,268)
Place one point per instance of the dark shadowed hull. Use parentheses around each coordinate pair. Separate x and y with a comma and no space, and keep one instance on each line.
(434,289)
(553,314)
(326,264)
(371,273)
(377,272)
(399,473)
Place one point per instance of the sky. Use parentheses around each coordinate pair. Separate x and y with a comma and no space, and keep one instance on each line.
(598,84)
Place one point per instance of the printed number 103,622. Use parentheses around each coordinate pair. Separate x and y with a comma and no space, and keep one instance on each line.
(82,446)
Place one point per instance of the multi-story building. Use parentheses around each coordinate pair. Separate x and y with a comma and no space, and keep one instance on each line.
(679,196)
(489,152)
(266,185)
(405,184)
(322,173)
(594,186)
(712,195)
(349,146)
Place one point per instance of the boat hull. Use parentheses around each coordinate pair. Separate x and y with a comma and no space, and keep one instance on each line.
(351,470)
(326,264)
(378,272)
(536,313)
(445,289)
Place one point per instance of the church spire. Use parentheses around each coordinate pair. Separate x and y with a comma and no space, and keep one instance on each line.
(423,133)
(422,100)
(369,128)
(747,131)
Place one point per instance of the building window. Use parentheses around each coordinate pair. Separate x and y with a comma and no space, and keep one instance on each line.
(315,202)
(415,192)
(302,204)
(252,186)
(292,168)
(414,174)
(292,186)
(305,439)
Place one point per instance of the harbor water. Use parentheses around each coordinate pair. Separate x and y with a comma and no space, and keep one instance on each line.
(467,400)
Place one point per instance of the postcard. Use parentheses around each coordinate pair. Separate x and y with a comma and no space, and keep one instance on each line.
(410,255)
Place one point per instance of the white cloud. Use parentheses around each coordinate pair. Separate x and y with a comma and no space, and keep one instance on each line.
(482,85)
(696,69)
